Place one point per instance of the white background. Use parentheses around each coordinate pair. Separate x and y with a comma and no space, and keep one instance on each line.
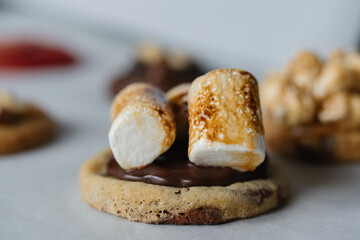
(254,35)
(39,193)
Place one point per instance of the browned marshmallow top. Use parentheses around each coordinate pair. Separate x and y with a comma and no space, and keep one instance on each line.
(225,97)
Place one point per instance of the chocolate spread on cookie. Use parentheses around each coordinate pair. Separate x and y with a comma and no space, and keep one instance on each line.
(173,168)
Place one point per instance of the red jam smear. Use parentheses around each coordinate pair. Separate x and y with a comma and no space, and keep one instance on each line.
(26,55)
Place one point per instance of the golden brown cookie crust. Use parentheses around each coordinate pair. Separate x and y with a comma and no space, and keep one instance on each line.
(34,129)
(149,203)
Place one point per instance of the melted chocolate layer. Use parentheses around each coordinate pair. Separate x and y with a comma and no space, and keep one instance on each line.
(173,168)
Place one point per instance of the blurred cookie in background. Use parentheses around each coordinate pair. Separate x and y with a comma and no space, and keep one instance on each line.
(162,69)
(312,107)
(22,125)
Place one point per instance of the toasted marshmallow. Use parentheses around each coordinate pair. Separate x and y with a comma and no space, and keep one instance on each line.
(300,107)
(334,108)
(178,60)
(150,54)
(337,56)
(271,91)
(352,61)
(178,99)
(354,105)
(304,68)
(225,121)
(334,77)
(342,108)
(143,125)
(9,102)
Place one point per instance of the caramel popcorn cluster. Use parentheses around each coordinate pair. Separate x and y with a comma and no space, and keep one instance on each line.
(310,90)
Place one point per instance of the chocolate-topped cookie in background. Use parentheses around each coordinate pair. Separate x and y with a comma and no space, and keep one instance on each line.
(193,155)
(22,125)
(312,108)
(161,69)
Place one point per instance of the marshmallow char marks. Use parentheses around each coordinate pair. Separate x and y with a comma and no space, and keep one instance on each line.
(225,122)
(143,125)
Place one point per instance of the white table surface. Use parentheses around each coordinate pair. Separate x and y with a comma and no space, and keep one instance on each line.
(39,189)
